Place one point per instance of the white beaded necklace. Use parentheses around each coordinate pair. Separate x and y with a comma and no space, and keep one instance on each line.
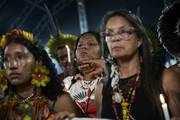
(25,99)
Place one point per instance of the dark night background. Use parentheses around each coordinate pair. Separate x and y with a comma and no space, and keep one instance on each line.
(22,14)
(31,16)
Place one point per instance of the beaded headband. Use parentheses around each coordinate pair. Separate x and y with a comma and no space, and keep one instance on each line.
(16,33)
(53,43)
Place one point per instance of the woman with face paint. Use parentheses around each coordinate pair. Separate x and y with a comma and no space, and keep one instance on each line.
(34,91)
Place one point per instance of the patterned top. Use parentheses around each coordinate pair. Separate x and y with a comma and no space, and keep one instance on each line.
(83,92)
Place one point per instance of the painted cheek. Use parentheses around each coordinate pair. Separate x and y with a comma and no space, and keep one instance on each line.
(26,51)
(27,62)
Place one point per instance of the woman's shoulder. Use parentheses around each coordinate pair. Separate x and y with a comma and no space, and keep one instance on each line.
(171,78)
(175,69)
(62,100)
(172,73)
(65,103)
(64,95)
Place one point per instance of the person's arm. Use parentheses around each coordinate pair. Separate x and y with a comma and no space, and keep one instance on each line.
(171,86)
(65,106)
(93,68)
(98,99)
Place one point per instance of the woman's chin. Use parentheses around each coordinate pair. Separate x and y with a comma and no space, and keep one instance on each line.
(118,55)
(15,82)
(84,59)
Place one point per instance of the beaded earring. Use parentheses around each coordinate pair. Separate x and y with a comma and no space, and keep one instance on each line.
(40,76)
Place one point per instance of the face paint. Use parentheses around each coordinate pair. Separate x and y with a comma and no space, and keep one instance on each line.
(18,63)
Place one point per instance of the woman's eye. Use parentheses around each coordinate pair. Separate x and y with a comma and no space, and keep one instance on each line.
(92,44)
(20,57)
(108,34)
(79,45)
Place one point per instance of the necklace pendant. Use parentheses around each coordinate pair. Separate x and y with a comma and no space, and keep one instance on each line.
(26,106)
(124,104)
(27,117)
(117,97)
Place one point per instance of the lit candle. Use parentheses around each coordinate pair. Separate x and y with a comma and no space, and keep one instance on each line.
(68,53)
(164,107)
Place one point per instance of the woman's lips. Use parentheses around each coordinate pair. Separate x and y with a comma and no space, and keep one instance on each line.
(116,48)
(83,54)
(14,75)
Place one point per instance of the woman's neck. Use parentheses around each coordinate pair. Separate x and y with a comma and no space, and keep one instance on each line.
(128,67)
(88,78)
(25,90)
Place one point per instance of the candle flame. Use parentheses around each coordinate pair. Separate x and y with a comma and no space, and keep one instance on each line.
(161,98)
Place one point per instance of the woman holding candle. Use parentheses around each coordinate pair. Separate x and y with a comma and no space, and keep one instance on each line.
(132,91)
(169,34)
(62,50)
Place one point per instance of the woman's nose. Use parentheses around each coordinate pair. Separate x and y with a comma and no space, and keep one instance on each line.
(115,38)
(13,64)
(84,46)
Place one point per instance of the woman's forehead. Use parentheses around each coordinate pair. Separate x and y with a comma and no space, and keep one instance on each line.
(117,22)
(13,48)
(87,37)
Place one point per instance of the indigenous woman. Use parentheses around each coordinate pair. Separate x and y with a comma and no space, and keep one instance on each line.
(34,92)
(86,78)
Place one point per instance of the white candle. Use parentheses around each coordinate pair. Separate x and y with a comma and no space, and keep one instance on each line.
(164,107)
(68,53)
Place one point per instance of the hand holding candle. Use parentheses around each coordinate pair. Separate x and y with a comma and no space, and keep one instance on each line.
(164,107)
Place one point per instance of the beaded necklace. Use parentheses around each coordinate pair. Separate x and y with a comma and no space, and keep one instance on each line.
(26,105)
(121,96)
(31,107)
(24,100)
(34,107)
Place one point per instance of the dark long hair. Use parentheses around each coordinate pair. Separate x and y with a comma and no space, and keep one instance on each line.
(151,83)
(169,28)
(53,88)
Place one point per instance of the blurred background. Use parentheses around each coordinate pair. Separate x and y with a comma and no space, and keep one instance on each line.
(78,16)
